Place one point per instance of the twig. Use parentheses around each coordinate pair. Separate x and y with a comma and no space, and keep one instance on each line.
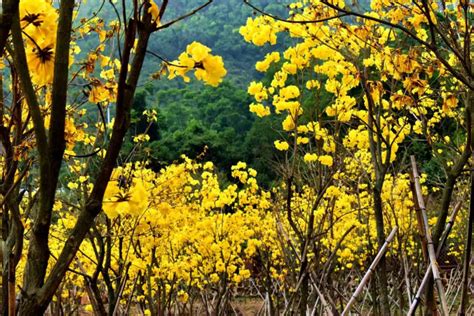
(467,252)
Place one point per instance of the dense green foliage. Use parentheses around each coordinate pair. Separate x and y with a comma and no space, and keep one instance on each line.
(213,123)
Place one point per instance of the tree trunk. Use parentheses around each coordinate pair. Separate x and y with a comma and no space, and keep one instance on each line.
(467,254)
(4,259)
(468,249)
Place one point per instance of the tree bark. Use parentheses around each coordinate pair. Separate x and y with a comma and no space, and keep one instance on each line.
(468,248)
(9,10)
(467,254)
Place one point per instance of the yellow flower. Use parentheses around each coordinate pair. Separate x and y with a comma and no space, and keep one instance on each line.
(98,93)
(237,278)
(449,102)
(310,157)
(83,179)
(214,278)
(208,68)
(38,19)
(257,90)
(141,138)
(102,92)
(88,308)
(290,92)
(263,65)
(154,10)
(57,205)
(183,296)
(326,160)
(281,145)
(198,51)
(72,185)
(259,109)
(212,71)
(40,57)
(288,123)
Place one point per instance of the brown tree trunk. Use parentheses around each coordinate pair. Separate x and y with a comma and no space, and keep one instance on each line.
(467,254)
(36,303)
(3,257)
(468,248)
(382,268)
(303,302)
(11,285)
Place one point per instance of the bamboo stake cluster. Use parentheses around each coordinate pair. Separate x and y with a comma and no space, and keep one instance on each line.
(427,233)
(424,282)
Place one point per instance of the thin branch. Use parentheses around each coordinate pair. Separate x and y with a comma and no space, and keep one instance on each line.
(164,5)
(21,65)
(166,25)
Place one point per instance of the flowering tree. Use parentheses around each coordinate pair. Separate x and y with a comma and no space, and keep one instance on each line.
(385,69)
(41,128)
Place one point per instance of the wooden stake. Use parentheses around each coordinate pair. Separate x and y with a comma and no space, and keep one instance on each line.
(419,221)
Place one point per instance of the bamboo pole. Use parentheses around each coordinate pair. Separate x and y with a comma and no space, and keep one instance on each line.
(449,226)
(444,237)
(431,250)
(419,221)
(367,275)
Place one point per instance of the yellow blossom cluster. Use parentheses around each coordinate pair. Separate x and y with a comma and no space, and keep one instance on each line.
(182,233)
(207,67)
(179,228)
(39,23)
